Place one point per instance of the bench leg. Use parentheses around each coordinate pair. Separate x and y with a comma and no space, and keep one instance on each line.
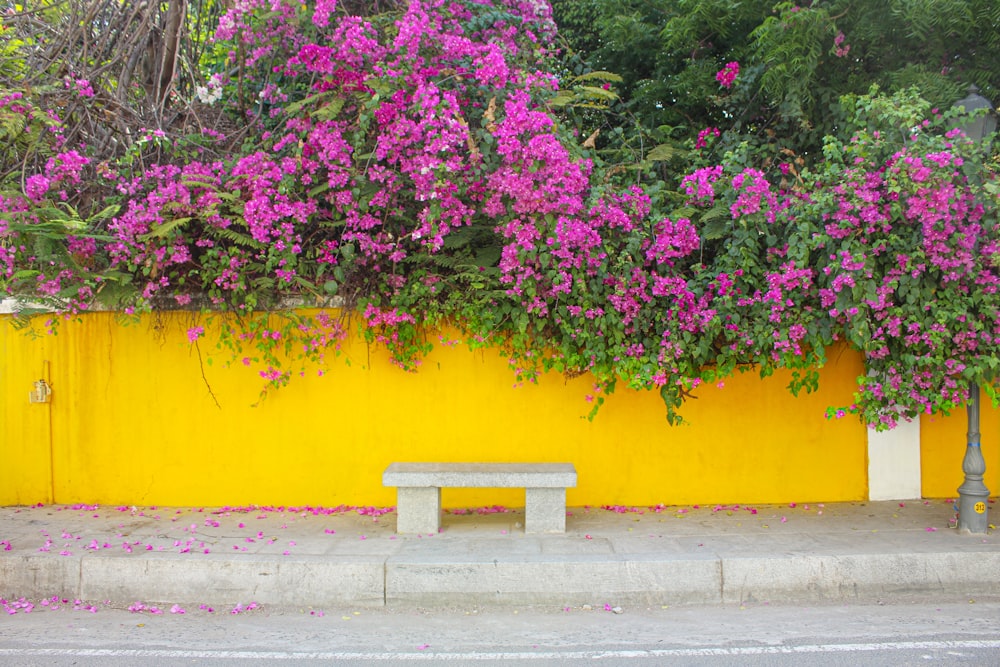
(545,510)
(418,509)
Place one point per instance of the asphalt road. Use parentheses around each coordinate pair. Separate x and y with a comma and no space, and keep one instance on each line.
(946,633)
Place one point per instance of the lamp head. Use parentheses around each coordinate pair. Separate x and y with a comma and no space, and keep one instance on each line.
(983,124)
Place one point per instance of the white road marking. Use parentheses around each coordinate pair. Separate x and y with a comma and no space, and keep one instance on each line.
(522,655)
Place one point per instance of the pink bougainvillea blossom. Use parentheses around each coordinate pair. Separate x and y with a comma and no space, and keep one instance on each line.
(704,134)
(727,75)
(418,168)
(839,48)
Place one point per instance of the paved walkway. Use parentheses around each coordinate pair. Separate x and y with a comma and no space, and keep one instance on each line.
(314,557)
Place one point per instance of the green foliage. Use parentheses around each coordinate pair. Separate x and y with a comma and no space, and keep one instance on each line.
(745,133)
(791,45)
(576,23)
(797,60)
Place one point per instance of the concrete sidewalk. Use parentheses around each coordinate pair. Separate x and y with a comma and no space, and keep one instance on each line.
(316,557)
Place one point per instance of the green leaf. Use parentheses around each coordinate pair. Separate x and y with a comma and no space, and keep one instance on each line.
(598,75)
(52,213)
(562,98)
(329,111)
(107,212)
(296,107)
(664,152)
(163,229)
(715,223)
(319,189)
(599,93)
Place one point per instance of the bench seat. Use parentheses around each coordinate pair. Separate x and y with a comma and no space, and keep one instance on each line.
(418,491)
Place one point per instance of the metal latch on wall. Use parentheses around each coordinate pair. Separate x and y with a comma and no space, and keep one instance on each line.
(42,392)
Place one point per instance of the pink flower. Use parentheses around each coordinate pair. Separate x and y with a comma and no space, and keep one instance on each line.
(36,186)
(672,240)
(839,48)
(194,333)
(700,184)
(81,86)
(727,75)
(705,134)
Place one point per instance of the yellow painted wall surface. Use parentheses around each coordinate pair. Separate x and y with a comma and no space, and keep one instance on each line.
(942,448)
(25,455)
(132,422)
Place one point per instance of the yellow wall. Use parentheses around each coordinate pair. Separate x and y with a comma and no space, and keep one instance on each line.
(25,454)
(942,448)
(132,422)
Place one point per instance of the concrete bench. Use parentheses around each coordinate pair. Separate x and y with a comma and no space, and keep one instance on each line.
(418,491)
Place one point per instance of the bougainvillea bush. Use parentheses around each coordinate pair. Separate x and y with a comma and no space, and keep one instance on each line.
(410,166)
(890,243)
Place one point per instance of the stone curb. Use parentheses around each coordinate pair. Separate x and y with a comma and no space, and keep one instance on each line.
(397,580)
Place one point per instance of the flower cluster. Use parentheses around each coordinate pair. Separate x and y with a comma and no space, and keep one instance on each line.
(839,48)
(703,136)
(410,165)
(727,75)
(905,247)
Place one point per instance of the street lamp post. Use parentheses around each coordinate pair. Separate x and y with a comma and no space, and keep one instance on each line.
(973,496)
